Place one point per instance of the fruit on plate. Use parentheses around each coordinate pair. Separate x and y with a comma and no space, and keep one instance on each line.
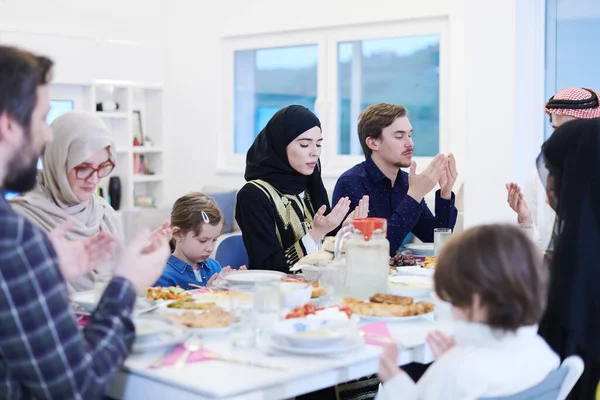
(403,259)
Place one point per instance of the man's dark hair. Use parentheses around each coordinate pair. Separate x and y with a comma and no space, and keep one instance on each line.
(21,73)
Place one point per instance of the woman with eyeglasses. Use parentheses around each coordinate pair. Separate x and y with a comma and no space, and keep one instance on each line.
(81,154)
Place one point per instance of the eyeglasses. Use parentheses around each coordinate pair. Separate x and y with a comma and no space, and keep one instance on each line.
(84,172)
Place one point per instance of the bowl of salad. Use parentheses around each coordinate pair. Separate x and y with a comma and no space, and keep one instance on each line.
(166,293)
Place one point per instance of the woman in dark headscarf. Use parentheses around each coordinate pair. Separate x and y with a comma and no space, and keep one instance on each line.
(283,210)
(569,167)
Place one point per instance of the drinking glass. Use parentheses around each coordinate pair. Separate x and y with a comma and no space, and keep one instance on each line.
(243,324)
(267,307)
(333,280)
(440,238)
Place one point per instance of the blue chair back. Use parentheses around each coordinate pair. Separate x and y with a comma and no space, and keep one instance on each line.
(232,252)
(548,389)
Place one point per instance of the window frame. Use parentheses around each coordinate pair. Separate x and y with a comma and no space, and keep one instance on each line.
(326,105)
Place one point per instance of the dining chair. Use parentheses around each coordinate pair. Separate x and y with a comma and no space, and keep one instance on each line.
(557,385)
(232,252)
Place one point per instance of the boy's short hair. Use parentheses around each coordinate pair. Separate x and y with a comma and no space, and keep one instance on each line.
(502,266)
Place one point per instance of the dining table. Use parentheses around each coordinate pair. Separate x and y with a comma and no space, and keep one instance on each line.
(263,373)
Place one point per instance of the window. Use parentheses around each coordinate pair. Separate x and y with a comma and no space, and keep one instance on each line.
(401,70)
(267,80)
(336,73)
(572,29)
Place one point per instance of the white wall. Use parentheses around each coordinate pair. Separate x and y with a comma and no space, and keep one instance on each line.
(493,123)
(496,127)
(89,40)
(194,69)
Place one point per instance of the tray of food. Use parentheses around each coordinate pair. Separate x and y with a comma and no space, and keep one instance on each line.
(388,307)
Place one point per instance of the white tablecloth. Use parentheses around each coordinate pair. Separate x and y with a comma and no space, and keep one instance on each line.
(298,374)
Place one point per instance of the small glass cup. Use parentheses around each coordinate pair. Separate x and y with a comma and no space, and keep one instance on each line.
(243,324)
(333,279)
(440,238)
(267,307)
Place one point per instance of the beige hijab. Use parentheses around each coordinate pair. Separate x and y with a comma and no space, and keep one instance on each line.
(78,136)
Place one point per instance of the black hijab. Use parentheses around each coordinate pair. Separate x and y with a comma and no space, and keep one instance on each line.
(267,158)
(572,155)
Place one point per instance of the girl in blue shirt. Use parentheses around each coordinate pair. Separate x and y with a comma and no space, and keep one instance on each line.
(197,223)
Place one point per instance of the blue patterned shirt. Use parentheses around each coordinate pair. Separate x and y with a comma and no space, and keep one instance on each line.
(44,354)
(179,273)
(403,213)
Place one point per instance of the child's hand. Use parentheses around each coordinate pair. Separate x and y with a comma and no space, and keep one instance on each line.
(223,270)
(440,343)
(212,280)
(388,363)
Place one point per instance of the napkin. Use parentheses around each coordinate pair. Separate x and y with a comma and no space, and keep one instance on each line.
(195,356)
(376,334)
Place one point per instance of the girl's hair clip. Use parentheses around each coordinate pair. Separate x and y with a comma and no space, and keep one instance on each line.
(205,218)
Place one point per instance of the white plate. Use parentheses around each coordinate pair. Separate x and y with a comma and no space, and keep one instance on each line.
(250,277)
(163,307)
(211,331)
(147,329)
(343,347)
(174,336)
(393,319)
(410,286)
(416,271)
(420,249)
(87,301)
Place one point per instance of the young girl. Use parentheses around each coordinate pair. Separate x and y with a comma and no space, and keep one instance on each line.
(197,223)
(496,281)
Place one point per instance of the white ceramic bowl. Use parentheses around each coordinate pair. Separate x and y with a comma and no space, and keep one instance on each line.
(410,286)
(313,332)
(310,272)
(295,294)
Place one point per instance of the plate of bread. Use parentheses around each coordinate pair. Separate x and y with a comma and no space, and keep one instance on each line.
(389,307)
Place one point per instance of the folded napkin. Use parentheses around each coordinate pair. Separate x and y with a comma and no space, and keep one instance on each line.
(195,356)
(377,334)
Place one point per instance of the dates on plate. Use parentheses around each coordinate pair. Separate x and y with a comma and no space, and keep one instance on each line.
(403,259)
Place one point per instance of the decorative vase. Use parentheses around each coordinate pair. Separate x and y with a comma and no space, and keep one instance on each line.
(114,192)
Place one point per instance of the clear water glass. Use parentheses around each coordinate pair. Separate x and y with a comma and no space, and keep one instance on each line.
(333,279)
(243,325)
(267,307)
(441,236)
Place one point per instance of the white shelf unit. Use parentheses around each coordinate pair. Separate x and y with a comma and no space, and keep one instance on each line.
(131,96)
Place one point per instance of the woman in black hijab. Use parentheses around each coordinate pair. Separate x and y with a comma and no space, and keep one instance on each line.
(569,167)
(283,210)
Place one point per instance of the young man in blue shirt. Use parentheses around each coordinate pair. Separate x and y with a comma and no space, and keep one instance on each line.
(385,135)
